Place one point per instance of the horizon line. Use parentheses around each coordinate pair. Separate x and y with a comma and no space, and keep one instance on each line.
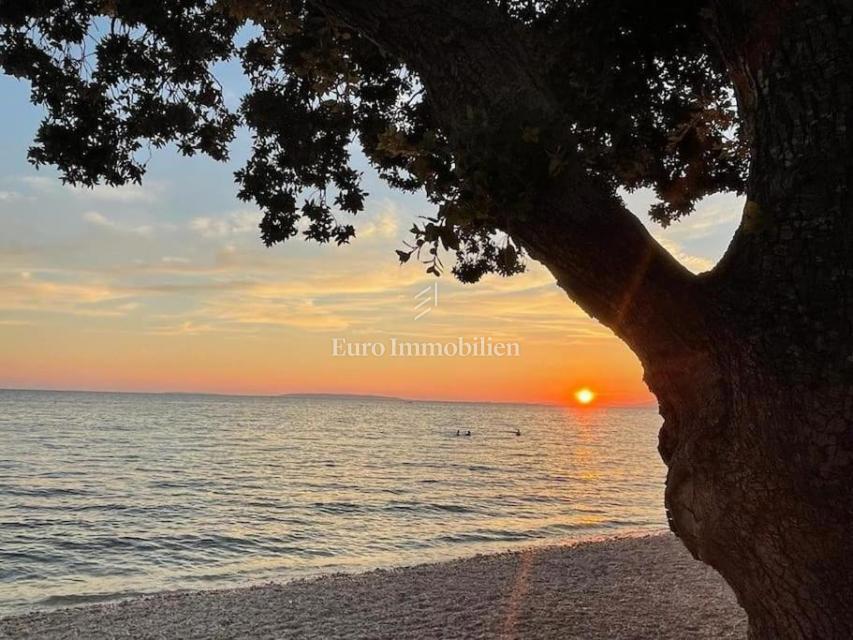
(324,394)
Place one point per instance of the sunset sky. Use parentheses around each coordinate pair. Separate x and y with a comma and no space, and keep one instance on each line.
(166,287)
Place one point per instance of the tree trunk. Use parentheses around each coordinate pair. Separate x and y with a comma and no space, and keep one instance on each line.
(759,488)
(760,481)
(752,363)
(759,450)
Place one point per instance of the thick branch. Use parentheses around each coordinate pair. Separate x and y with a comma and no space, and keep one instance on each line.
(470,55)
(467,54)
(608,262)
(792,66)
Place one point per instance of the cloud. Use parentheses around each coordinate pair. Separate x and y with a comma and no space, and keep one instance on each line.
(100,220)
(717,214)
(131,193)
(210,276)
(41,183)
(147,193)
(705,233)
(96,218)
(696,264)
(25,291)
(183,328)
(303,314)
(235,223)
(241,313)
(384,224)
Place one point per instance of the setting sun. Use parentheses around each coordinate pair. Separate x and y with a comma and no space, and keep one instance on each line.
(584,396)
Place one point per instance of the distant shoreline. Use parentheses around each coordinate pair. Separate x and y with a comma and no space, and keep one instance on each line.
(625,587)
(320,396)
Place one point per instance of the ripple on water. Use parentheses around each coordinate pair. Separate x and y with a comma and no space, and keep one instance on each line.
(105,496)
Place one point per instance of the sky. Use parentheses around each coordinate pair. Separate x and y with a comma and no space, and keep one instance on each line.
(167,287)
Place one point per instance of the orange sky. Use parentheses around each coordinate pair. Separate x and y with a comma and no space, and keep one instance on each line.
(278,351)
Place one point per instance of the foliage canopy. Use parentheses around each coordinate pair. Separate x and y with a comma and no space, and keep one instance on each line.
(642,103)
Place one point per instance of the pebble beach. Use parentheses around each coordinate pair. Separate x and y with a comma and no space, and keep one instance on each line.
(618,588)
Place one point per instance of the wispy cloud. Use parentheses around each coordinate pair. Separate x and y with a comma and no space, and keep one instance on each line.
(384,224)
(100,220)
(147,193)
(25,291)
(234,223)
(696,264)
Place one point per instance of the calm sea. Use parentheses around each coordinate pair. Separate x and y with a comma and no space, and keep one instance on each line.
(108,495)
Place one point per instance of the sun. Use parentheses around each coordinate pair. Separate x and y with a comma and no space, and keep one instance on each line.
(585,395)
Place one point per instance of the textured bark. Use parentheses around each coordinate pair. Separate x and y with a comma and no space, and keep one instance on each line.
(752,363)
(762,486)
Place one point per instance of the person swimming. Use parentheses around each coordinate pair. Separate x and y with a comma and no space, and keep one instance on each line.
(518,432)
(467,433)
(457,433)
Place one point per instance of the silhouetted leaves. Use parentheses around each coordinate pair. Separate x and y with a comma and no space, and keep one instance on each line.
(643,105)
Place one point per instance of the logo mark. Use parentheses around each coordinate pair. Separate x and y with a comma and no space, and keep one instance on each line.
(427,300)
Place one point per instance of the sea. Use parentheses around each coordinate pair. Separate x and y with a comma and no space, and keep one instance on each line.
(106,496)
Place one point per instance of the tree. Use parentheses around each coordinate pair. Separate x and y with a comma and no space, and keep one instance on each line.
(521,120)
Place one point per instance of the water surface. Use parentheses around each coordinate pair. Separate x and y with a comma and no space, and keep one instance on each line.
(110,495)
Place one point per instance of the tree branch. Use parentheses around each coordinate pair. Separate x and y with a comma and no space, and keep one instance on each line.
(456,48)
(792,67)
(608,263)
(469,54)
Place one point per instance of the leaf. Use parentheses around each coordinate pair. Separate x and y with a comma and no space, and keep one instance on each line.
(448,238)
(431,232)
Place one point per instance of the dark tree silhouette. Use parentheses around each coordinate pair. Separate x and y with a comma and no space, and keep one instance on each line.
(520,120)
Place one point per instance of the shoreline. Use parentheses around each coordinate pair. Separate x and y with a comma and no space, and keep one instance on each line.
(631,586)
(61,602)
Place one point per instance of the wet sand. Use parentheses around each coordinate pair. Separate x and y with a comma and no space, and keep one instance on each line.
(620,588)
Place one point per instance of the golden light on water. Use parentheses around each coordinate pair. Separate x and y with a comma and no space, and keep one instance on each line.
(585,395)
